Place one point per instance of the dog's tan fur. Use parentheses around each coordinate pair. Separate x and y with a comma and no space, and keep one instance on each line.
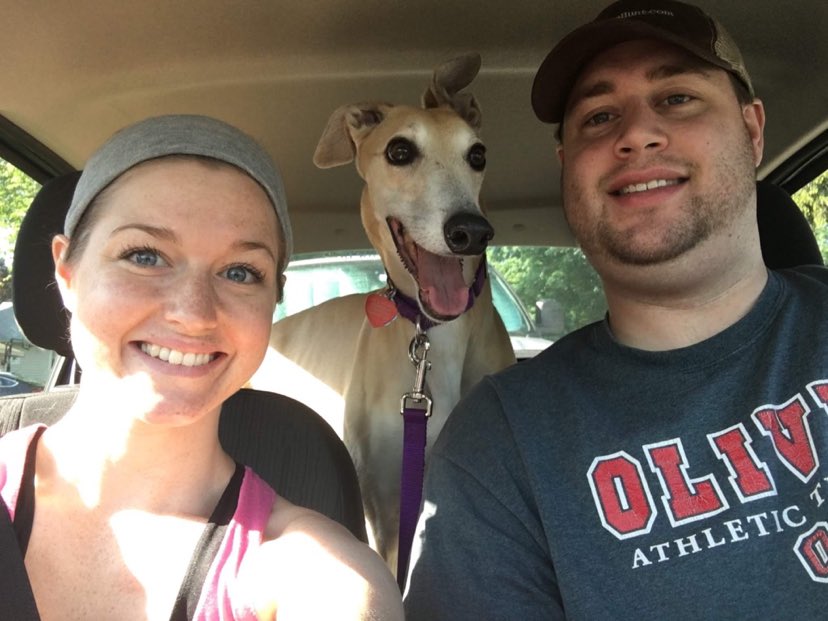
(367,366)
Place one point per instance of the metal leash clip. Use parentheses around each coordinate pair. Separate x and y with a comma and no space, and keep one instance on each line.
(417,353)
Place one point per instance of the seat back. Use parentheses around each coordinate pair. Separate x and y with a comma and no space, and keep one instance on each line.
(289,445)
(285,442)
(787,238)
(37,305)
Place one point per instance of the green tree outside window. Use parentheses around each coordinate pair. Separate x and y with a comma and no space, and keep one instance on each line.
(17,190)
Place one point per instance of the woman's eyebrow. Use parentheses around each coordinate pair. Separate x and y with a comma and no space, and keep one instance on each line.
(156,231)
(170,235)
(255,245)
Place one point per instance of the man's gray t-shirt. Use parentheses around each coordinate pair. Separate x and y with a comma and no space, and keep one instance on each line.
(597,481)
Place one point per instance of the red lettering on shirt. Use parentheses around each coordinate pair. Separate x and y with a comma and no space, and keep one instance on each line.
(787,427)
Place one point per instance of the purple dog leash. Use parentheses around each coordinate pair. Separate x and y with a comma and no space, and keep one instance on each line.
(415,407)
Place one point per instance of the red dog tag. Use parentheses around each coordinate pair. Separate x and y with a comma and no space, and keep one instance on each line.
(380,310)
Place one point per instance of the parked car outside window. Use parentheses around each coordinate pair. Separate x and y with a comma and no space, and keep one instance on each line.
(316,278)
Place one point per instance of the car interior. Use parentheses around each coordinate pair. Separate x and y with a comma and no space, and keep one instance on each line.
(277,71)
(74,75)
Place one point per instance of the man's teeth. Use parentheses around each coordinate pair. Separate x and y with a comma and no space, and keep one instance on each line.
(174,356)
(650,185)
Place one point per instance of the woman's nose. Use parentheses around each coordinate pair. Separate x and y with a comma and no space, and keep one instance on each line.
(193,302)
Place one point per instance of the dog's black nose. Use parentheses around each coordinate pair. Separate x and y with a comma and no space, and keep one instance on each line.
(467,233)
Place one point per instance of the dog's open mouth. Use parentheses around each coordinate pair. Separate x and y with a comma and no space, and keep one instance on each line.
(443,292)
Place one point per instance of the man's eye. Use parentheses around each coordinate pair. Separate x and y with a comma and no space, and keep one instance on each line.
(675,100)
(244,274)
(599,119)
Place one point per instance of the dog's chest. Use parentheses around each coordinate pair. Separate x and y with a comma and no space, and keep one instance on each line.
(385,373)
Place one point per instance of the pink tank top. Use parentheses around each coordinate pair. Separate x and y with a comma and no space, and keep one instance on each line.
(226,543)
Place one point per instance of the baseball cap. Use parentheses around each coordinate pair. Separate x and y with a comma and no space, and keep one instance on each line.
(681,24)
(178,134)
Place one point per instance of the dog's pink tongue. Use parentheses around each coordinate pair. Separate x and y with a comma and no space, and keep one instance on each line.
(441,284)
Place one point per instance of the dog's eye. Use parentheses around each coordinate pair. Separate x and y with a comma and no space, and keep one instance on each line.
(400,151)
(477,157)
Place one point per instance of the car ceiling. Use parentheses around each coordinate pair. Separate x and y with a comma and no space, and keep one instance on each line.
(74,72)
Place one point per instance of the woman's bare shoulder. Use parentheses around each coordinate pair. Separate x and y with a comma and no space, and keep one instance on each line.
(312,567)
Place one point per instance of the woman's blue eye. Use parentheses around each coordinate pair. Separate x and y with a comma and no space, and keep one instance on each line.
(243,274)
(144,257)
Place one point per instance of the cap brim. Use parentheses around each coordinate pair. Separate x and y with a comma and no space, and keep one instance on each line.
(561,67)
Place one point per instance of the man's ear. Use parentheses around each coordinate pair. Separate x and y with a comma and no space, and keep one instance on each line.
(559,150)
(64,271)
(754,116)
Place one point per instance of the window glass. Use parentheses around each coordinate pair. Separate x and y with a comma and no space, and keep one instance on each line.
(813,200)
(315,277)
(557,282)
(23,366)
(540,292)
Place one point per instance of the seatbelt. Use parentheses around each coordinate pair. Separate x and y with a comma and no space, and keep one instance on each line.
(16,598)
(189,594)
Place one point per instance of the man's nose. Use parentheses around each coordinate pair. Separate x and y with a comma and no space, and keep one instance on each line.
(641,130)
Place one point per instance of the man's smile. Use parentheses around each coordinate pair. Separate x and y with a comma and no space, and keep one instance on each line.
(649,185)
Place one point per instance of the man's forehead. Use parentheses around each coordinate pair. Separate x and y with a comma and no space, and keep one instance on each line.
(648,56)
(654,60)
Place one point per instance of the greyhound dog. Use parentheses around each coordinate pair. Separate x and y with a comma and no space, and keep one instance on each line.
(423,169)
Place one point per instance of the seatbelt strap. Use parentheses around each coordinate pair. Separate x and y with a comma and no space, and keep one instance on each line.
(16,598)
(190,592)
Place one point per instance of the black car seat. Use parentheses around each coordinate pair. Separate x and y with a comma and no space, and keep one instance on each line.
(787,238)
(289,445)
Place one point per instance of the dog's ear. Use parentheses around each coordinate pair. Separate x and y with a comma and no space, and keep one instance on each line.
(345,129)
(446,83)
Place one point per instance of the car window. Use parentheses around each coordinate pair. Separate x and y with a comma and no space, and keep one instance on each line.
(813,200)
(552,280)
(24,367)
(538,291)
(315,277)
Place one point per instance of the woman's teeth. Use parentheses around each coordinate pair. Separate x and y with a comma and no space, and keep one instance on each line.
(173,356)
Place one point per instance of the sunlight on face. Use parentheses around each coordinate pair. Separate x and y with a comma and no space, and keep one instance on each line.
(173,296)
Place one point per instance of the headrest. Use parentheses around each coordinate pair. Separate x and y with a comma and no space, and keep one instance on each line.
(786,237)
(38,307)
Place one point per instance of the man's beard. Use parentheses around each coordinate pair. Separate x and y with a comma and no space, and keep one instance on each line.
(701,216)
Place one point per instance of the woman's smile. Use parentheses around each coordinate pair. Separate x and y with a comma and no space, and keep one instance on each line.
(175,357)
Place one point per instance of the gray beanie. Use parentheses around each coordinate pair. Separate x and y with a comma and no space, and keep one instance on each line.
(178,134)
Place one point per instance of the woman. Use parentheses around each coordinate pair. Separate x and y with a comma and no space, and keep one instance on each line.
(171,265)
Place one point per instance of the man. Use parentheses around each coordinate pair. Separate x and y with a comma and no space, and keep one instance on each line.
(666,463)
